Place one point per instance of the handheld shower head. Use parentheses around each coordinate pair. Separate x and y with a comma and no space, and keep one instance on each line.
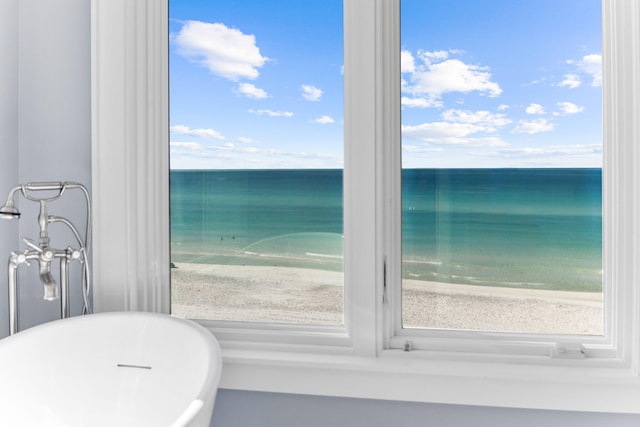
(9,210)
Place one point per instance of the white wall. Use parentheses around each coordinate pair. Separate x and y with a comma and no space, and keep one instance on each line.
(45,135)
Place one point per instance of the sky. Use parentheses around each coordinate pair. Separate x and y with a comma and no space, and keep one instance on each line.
(495,83)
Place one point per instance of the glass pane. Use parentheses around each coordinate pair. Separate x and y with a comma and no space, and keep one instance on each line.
(256,99)
(502,165)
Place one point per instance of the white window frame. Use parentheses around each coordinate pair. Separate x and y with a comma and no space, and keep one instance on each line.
(131,227)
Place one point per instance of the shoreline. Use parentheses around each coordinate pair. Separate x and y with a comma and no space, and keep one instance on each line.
(299,295)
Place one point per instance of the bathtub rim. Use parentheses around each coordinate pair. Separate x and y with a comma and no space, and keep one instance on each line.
(200,405)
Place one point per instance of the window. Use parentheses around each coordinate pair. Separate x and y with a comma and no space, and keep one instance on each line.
(502,166)
(364,358)
(256,161)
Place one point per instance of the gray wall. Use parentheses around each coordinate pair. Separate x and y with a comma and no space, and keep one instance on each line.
(8,138)
(45,135)
(254,409)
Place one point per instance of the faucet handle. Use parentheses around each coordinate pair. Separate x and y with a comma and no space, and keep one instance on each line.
(74,254)
(32,244)
(20,258)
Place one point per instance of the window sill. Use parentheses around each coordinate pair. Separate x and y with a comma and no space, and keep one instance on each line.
(396,375)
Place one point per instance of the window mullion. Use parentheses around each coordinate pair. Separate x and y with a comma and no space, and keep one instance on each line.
(363,266)
(390,163)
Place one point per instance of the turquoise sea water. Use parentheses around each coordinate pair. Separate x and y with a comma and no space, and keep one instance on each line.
(537,228)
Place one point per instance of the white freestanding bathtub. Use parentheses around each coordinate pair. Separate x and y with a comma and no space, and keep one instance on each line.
(110,369)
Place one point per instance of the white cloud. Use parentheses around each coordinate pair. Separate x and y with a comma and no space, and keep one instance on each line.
(587,68)
(429,57)
(569,108)
(592,66)
(416,149)
(503,107)
(534,109)
(230,150)
(571,81)
(551,151)
(438,74)
(311,93)
(407,62)
(186,149)
(226,52)
(534,126)
(202,133)
(323,120)
(230,147)
(480,141)
(272,113)
(193,146)
(453,75)
(434,130)
(446,133)
(250,91)
(419,102)
(235,156)
(245,140)
(483,118)
(461,127)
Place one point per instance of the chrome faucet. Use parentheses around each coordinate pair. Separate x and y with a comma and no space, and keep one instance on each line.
(43,253)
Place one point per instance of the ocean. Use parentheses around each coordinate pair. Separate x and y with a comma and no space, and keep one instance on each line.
(527,228)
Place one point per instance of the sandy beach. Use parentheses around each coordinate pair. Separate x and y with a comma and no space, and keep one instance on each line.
(295,295)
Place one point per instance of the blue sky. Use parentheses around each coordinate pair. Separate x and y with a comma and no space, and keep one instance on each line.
(496,83)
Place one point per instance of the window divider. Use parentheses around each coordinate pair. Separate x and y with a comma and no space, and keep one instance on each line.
(362,264)
(390,163)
